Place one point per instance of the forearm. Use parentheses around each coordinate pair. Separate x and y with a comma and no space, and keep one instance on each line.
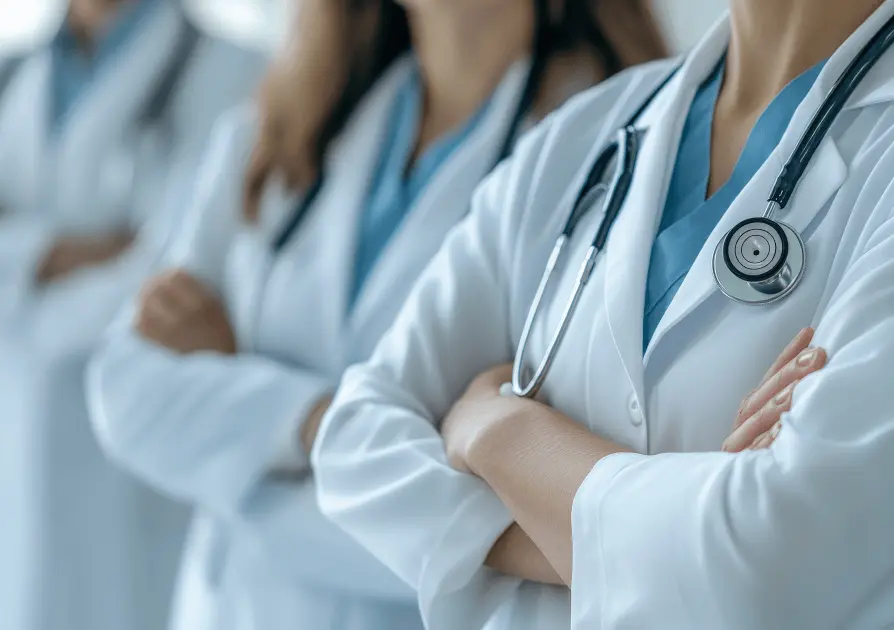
(536,462)
(516,555)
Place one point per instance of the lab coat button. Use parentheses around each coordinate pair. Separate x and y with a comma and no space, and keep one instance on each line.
(636,414)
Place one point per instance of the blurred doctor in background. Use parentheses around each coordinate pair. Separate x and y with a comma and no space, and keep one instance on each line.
(315,213)
(101,126)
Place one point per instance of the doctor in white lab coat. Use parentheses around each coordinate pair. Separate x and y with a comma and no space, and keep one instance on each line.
(96,152)
(617,473)
(211,388)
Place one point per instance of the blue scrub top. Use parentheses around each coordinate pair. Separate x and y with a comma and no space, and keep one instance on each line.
(73,71)
(689,218)
(397,183)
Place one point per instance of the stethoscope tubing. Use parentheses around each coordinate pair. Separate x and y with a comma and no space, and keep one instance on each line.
(758,288)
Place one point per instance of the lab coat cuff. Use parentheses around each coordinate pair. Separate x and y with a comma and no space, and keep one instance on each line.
(588,563)
(456,589)
(290,457)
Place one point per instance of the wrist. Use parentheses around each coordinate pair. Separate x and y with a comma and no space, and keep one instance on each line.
(495,441)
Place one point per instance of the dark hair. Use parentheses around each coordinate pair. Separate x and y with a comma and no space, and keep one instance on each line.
(391,39)
(619,33)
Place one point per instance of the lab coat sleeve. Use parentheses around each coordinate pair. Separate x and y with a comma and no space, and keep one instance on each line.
(68,317)
(204,427)
(796,536)
(282,522)
(24,241)
(381,469)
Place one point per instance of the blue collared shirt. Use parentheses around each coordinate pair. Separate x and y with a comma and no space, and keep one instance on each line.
(73,70)
(396,183)
(689,217)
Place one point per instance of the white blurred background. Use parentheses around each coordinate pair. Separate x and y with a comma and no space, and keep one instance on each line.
(23,21)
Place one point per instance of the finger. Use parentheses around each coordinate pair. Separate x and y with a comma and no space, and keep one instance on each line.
(766,440)
(750,403)
(185,291)
(807,362)
(155,321)
(800,343)
(761,421)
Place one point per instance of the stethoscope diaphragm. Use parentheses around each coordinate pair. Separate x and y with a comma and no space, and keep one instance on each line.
(759,261)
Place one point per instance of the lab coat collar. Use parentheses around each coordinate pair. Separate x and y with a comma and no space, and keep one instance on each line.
(104,127)
(630,244)
(348,168)
(24,134)
(825,175)
(437,208)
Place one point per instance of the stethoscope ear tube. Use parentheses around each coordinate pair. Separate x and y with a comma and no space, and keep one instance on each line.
(531,388)
(620,186)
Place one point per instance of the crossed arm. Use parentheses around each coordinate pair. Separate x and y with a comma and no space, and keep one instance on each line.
(514,444)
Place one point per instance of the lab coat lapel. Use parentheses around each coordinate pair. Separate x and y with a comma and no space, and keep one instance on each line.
(97,144)
(629,247)
(438,207)
(23,125)
(349,169)
(826,173)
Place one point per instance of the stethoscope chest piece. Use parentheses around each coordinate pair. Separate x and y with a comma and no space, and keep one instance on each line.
(759,261)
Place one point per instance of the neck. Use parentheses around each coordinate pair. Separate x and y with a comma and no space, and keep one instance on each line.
(88,19)
(463,54)
(774,41)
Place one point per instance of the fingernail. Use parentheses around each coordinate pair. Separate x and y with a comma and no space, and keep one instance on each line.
(785,395)
(807,358)
(774,432)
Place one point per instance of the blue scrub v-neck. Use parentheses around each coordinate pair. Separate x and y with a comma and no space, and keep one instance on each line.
(73,71)
(396,184)
(689,218)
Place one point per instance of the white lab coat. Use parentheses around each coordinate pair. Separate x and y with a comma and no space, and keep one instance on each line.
(208,428)
(678,535)
(83,545)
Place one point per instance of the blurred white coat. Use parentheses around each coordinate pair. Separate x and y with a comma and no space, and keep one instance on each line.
(83,546)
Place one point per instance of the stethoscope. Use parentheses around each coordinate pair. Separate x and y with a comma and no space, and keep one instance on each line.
(761,260)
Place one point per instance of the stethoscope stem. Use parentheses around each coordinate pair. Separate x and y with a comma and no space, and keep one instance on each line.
(773,207)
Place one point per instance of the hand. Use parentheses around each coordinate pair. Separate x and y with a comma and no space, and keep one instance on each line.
(481,408)
(178,312)
(758,422)
(71,253)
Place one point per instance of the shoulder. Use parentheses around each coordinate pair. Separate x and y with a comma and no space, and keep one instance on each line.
(550,158)
(243,67)
(592,116)
(219,76)
(600,110)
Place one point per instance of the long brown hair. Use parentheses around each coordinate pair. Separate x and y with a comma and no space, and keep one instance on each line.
(631,29)
(616,33)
